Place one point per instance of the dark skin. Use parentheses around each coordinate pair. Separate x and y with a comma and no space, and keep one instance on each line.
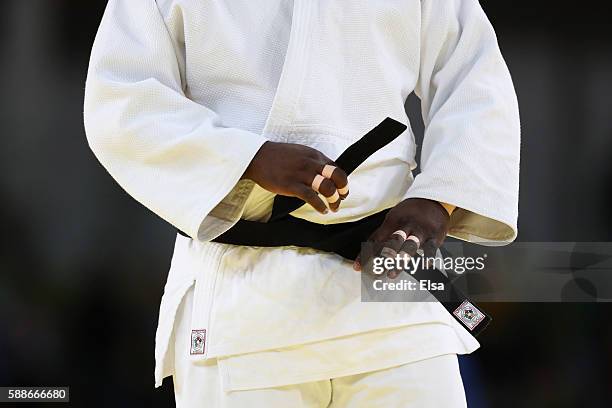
(426,219)
(288,169)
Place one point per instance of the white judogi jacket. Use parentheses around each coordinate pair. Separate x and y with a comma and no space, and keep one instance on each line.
(181,94)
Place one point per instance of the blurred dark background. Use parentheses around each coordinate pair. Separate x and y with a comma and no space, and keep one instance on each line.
(82,265)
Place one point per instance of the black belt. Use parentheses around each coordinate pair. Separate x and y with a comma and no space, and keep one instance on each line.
(345,239)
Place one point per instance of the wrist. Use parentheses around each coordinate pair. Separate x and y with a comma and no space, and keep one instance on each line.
(251,170)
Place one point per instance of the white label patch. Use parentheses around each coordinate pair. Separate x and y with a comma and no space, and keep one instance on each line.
(469,315)
(198,341)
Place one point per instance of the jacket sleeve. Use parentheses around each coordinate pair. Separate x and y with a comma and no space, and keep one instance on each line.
(470,153)
(168,152)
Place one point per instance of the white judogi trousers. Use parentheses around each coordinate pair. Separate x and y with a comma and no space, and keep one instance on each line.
(433,382)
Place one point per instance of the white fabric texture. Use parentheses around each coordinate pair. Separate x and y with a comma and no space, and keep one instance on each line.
(430,382)
(181,94)
(331,358)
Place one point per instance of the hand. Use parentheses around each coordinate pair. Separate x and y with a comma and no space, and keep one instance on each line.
(289,169)
(426,219)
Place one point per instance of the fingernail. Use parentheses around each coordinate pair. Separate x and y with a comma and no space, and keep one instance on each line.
(356,266)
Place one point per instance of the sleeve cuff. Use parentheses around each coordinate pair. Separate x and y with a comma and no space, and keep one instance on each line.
(225,207)
(486,221)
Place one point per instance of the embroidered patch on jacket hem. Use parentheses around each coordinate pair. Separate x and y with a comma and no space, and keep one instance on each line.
(198,341)
(469,315)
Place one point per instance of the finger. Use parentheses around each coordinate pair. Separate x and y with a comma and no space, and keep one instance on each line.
(403,233)
(326,187)
(392,245)
(307,194)
(385,243)
(329,191)
(383,237)
(376,242)
(362,257)
(337,176)
(369,252)
(412,242)
(334,201)
(409,248)
(392,249)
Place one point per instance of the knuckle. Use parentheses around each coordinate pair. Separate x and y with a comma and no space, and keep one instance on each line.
(341,176)
(304,164)
(317,156)
(324,158)
(394,220)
